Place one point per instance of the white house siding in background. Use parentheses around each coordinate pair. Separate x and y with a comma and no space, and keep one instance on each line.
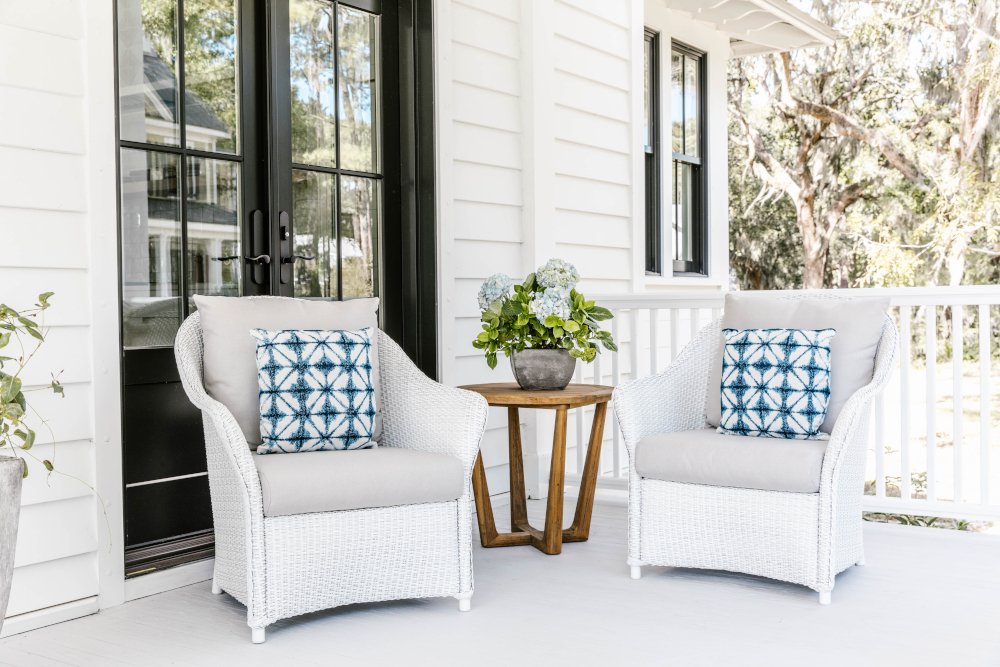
(46,208)
(540,155)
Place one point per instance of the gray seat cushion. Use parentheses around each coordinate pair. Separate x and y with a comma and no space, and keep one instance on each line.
(347,480)
(707,457)
(858,323)
(231,352)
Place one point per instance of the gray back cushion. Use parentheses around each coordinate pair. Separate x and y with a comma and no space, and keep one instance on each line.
(231,352)
(858,322)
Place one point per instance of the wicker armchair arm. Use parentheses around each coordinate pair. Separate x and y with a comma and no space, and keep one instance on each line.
(188,351)
(856,409)
(671,401)
(419,413)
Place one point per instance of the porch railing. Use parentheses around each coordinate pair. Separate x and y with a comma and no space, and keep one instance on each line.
(911,470)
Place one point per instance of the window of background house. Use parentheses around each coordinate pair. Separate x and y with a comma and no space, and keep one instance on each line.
(687,110)
(651,140)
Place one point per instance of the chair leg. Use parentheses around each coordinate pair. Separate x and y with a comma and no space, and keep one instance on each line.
(257,635)
(861,561)
(636,572)
(825,597)
(216,590)
(465,604)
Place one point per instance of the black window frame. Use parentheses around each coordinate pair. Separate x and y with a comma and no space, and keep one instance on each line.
(654,235)
(698,265)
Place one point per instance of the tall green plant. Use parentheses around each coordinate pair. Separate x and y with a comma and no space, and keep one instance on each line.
(20,328)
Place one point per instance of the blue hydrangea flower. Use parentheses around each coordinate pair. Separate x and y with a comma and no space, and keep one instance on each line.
(495,287)
(553,301)
(557,273)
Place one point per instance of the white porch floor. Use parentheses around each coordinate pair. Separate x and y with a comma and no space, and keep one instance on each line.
(926,597)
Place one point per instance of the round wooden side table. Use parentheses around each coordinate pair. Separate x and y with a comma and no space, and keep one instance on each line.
(550,541)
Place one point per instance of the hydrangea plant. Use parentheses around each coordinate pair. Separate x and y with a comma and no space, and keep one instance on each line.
(544,312)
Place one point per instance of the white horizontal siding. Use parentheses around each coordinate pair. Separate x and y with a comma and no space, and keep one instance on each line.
(46,247)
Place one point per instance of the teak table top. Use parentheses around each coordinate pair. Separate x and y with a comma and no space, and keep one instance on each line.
(509,394)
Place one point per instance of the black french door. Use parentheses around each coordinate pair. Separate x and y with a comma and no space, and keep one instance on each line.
(277,147)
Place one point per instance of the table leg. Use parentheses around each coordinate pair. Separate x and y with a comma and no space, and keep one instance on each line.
(484,508)
(552,539)
(518,501)
(580,530)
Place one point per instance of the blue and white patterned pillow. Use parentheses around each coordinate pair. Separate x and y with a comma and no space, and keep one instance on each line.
(776,383)
(316,390)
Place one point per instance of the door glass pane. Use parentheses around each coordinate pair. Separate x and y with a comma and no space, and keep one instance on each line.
(313,211)
(356,42)
(214,259)
(151,247)
(358,225)
(683,213)
(147,74)
(691,111)
(647,87)
(314,95)
(210,72)
(677,100)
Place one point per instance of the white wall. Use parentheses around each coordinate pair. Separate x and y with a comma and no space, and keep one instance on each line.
(56,196)
(540,155)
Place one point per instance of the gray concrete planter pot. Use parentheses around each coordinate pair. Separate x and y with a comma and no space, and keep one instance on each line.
(10,509)
(537,370)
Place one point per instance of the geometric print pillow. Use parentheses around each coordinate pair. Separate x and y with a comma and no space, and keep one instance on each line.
(776,382)
(316,390)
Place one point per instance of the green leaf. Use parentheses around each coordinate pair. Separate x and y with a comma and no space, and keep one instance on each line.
(609,345)
(511,309)
(3,359)
(599,313)
(19,399)
(28,323)
(7,311)
(57,388)
(587,305)
(4,339)
(34,333)
(47,464)
(571,326)
(25,473)
(493,334)
(553,321)
(557,332)
(43,299)
(483,337)
(529,282)
(576,354)
(491,361)
(10,387)
(27,439)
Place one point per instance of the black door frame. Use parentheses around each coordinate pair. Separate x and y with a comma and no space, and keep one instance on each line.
(407,240)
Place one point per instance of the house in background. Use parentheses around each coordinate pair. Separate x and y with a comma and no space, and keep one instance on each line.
(401,148)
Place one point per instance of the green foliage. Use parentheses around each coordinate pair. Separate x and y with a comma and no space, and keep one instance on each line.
(509,325)
(16,413)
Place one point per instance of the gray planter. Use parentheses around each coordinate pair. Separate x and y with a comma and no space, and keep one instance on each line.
(542,369)
(10,509)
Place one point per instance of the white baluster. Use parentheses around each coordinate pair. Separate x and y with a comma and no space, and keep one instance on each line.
(579,422)
(956,399)
(930,336)
(633,344)
(695,315)
(654,341)
(984,404)
(675,317)
(879,447)
(904,404)
(616,378)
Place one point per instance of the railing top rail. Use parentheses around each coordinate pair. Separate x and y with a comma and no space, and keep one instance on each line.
(898,296)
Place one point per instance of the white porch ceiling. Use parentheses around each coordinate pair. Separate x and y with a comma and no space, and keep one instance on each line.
(758,26)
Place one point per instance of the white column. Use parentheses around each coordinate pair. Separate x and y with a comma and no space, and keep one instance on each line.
(537,33)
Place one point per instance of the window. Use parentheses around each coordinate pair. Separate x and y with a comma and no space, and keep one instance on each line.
(651,139)
(687,90)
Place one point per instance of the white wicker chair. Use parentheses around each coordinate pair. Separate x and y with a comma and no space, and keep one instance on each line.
(803,538)
(289,565)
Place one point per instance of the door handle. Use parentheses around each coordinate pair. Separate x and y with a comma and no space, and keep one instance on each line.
(225,259)
(291,260)
(259,259)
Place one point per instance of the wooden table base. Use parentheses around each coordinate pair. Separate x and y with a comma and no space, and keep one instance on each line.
(550,540)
